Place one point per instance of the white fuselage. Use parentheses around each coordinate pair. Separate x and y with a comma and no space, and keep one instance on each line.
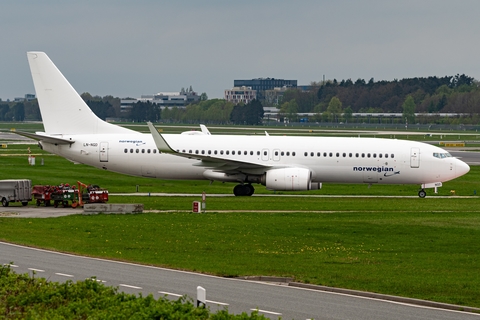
(342,160)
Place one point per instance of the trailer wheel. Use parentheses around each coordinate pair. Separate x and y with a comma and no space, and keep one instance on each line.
(38,203)
(4,202)
(24,203)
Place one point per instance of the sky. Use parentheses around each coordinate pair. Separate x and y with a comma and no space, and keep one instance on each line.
(130,48)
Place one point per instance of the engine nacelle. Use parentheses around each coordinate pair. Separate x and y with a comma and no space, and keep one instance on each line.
(289,179)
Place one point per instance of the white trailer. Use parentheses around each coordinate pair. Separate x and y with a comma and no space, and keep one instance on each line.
(15,191)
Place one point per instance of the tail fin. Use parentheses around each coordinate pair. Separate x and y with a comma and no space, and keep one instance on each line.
(63,110)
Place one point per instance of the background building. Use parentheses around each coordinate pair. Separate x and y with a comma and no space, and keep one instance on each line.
(260,85)
(240,94)
(163,99)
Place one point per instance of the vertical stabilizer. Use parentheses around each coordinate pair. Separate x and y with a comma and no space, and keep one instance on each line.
(63,110)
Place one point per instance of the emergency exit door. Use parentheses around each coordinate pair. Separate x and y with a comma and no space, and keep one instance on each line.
(103,151)
(414,158)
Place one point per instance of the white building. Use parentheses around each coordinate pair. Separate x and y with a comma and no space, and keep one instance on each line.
(240,94)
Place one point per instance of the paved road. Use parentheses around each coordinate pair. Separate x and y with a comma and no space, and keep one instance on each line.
(238,295)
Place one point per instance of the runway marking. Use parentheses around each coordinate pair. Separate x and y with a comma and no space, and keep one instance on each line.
(10,265)
(64,275)
(266,311)
(171,294)
(37,270)
(216,302)
(129,286)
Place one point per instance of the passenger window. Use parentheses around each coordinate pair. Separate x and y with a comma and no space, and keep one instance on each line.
(227,152)
(368,155)
(258,153)
(131,150)
(319,154)
(330,154)
(221,151)
(325,154)
(386,155)
(215,152)
(392,156)
(288,153)
(363,155)
(282,153)
(276,153)
(293,154)
(125,150)
(305,154)
(350,155)
(154,150)
(379,155)
(337,154)
(356,155)
(148,150)
(137,150)
(344,154)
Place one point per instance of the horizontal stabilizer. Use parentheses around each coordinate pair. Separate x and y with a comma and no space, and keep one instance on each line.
(41,136)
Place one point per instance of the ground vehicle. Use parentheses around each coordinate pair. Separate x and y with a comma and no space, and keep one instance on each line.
(69,195)
(15,191)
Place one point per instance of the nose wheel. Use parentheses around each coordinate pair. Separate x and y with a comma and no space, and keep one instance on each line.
(422,193)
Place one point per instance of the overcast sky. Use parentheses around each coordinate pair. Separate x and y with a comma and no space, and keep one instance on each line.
(130,48)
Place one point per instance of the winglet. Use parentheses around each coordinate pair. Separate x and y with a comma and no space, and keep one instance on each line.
(160,142)
(204,129)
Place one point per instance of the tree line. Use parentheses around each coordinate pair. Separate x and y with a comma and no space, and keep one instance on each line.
(328,101)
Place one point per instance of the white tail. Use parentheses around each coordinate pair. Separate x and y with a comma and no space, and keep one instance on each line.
(63,110)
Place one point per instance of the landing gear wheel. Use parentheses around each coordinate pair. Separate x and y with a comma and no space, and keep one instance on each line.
(422,193)
(243,190)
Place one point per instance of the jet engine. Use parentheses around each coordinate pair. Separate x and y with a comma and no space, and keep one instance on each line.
(289,179)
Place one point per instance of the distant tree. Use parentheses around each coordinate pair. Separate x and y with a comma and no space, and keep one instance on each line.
(19,111)
(290,110)
(4,109)
(203,97)
(103,110)
(335,109)
(251,113)
(348,114)
(409,109)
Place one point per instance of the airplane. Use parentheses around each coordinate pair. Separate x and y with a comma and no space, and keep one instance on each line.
(281,163)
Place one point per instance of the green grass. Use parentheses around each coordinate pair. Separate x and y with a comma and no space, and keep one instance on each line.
(421,248)
(416,254)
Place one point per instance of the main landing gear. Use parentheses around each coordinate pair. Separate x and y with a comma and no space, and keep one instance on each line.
(422,193)
(243,190)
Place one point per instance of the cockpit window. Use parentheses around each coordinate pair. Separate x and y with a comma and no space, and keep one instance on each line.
(442,155)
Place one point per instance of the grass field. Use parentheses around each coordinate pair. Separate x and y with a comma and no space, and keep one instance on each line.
(421,248)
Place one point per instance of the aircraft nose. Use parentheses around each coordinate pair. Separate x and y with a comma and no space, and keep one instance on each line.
(461,168)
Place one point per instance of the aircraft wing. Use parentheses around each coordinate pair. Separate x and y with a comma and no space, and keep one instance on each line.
(207,161)
(40,136)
